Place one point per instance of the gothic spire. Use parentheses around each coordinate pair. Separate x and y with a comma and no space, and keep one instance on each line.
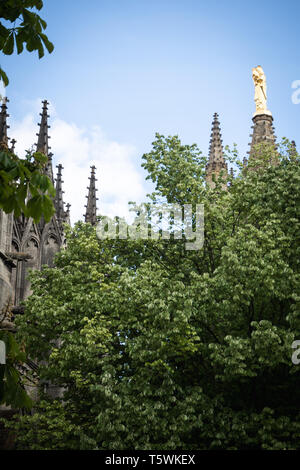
(61,214)
(59,202)
(43,138)
(3,123)
(216,162)
(263,132)
(91,207)
(67,216)
(293,149)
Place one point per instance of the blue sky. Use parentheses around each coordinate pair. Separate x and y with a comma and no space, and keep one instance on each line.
(123,70)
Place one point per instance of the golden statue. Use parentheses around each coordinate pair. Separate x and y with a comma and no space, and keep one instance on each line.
(260,95)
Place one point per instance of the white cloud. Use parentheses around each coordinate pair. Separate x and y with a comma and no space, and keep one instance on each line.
(119,179)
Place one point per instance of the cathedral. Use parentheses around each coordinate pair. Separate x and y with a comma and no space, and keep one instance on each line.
(26,245)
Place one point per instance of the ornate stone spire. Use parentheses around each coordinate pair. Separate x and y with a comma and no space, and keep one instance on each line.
(59,202)
(61,214)
(91,207)
(293,149)
(3,122)
(263,131)
(67,217)
(43,138)
(216,162)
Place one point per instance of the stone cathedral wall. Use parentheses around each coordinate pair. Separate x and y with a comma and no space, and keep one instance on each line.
(6,221)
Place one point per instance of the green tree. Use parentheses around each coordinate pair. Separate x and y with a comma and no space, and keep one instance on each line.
(12,391)
(24,187)
(20,178)
(21,26)
(157,347)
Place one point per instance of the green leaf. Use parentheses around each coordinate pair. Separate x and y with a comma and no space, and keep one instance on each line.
(8,46)
(3,77)
(5,161)
(19,43)
(35,207)
(40,157)
(49,46)
(47,208)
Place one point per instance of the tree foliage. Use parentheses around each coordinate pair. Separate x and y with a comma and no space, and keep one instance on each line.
(20,26)
(20,178)
(12,390)
(24,187)
(157,347)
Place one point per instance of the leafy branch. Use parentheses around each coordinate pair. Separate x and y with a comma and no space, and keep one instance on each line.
(22,27)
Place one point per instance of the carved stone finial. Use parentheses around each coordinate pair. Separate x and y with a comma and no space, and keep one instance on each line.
(91,207)
(43,140)
(216,162)
(3,122)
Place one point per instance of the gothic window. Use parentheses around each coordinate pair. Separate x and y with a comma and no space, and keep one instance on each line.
(50,248)
(15,274)
(31,248)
